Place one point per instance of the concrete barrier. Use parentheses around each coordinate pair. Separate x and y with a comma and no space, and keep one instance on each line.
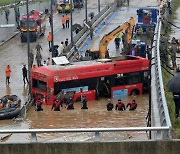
(128,147)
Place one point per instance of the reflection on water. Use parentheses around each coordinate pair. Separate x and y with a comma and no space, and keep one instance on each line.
(95,116)
(8,90)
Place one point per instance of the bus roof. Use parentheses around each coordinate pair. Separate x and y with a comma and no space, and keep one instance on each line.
(102,67)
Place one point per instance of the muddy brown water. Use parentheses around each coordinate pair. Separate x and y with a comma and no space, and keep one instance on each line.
(95,117)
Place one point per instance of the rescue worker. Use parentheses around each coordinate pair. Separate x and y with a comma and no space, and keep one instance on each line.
(173,51)
(44,63)
(61,48)
(109,105)
(24,71)
(163,48)
(38,58)
(48,61)
(56,105)
(66,42)
(31,58)
(50,20)
(8,74)
(176,98)
(120,106)
(117,42)
(49,38)
(63,21)
(38,47)
(7,12)
(33,67)
(67,20)
(133,105)
(70,104)
(39,105)
(84,103)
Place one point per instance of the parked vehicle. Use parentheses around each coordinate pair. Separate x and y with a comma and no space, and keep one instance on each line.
(37,25)
(64,6)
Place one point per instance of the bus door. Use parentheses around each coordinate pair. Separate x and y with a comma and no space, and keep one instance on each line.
(103,87)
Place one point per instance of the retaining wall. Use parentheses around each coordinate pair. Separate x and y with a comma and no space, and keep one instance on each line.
(127,147)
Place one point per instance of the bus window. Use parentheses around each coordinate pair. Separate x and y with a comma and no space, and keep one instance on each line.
(58,86)
(134,78)
(39,85)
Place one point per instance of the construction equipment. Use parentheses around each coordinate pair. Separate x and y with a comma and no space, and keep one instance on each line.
(147,19)
(37,25)
(126,29)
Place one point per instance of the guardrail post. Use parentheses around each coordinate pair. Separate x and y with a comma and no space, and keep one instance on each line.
(97,136)
(33,137)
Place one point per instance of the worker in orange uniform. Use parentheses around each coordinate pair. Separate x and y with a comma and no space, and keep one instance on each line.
(49,38)
(33,67)
(63,20)
(8,74)
(67,20)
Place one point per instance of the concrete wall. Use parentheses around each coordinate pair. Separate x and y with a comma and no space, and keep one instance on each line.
(128,147)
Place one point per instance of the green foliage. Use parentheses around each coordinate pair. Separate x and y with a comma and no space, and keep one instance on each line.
(166,77)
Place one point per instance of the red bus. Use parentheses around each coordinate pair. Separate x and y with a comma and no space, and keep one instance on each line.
(116,78)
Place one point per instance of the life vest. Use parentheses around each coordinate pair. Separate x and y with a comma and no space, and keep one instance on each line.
(133,106)
(120,105)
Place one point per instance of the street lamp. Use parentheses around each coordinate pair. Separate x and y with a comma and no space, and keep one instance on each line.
(28,48)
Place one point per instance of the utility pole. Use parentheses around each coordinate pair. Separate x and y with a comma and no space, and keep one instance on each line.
(52,42)
(28,48)
(86,16)
(72,41)
(99,6)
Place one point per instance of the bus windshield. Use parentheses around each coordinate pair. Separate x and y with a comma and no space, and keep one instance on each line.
(40,85)
(32,24)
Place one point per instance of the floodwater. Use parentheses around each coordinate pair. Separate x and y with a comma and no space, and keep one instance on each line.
(95,117)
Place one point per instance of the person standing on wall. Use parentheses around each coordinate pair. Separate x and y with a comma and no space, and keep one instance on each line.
(67,20)
(8,74)
(24,71)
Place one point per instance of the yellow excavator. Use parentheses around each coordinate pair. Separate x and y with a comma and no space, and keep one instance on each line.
(126,28)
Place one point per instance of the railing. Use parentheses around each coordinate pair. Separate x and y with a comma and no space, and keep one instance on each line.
(160,113)
(97,131)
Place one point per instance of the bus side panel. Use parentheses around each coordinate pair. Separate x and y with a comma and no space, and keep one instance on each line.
(90,95)
(125,91)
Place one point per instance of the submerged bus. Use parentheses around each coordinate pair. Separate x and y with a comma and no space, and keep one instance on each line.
(113,78)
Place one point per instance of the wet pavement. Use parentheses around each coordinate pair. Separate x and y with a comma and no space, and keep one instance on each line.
(15,53)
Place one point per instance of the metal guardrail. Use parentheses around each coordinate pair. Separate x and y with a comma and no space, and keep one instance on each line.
(84,33)
(97,131)
(160,114)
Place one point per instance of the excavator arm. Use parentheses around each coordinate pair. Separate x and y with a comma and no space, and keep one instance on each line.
(126,28)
